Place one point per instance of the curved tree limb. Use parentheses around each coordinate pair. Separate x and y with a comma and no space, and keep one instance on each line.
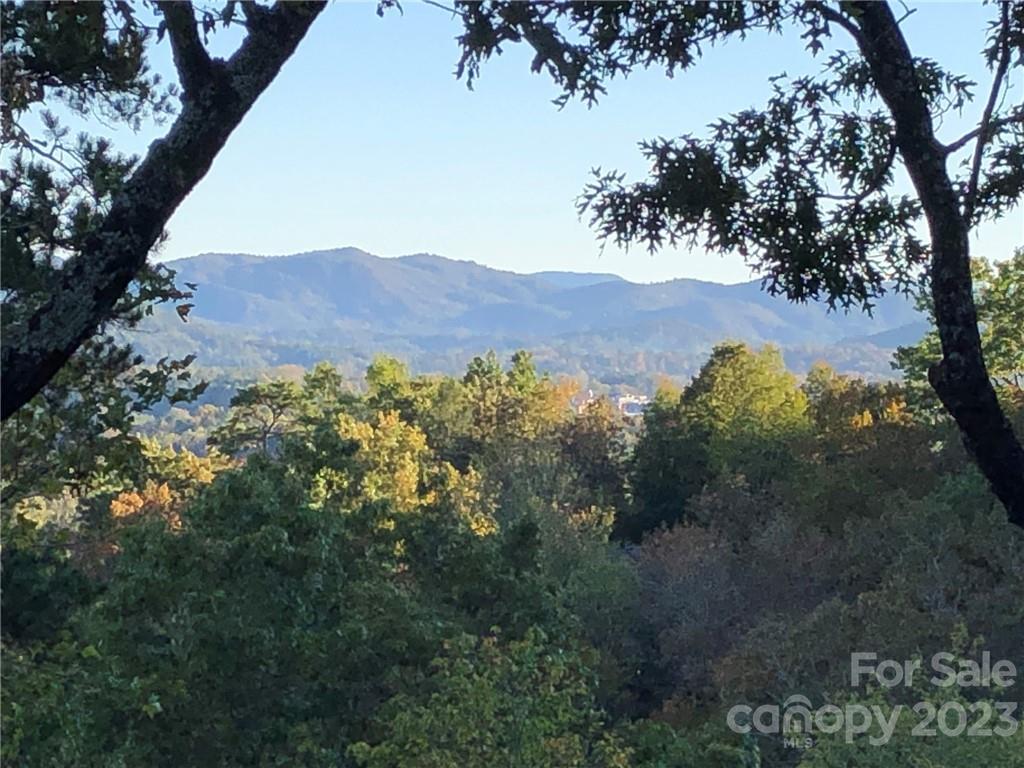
(190,56)
(1015,116)
(960,379)
(217,95)
(985,126)
(834,16)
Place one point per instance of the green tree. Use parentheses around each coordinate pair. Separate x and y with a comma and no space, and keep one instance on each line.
(749,408)
(354,598)
(275,619)
(389,386)
(484,383)
(80,220)
(805,188)
(667,467)
(447,421)
(324,392)
(741,415)
(1000,303)
(594,447)
(522,374)
(78,433)
(492,703)
(262,632)
(838,402)
(259,416)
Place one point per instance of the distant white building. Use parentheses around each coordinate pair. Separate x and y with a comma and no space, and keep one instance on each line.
(631,405)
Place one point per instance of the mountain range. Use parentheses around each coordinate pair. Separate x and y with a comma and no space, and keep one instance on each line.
(346,305)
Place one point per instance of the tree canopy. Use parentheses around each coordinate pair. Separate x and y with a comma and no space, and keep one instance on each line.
(438,571)
(492,568)
(805,187)
(80,219)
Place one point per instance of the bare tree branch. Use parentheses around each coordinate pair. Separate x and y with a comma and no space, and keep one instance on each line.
(443,7)
(836,17)
(985,127)
(254,13)
(190,56)
(1016,116)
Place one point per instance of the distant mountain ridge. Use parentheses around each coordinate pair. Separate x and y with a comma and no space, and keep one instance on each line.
(349,302)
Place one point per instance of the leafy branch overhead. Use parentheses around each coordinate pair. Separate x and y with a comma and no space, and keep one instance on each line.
(80,220)
(801,187)
(805,187)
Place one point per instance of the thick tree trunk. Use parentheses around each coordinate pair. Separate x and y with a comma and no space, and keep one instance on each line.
(961,379)
(217,95)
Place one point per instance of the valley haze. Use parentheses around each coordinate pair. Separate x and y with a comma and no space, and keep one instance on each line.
(345,305)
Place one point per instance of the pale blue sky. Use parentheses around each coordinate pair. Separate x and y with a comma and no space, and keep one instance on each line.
(367,139)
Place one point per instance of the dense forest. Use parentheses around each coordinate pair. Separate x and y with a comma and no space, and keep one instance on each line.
(440,571)
(358,564)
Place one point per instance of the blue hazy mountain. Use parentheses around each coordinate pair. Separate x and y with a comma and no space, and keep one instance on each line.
(253,310)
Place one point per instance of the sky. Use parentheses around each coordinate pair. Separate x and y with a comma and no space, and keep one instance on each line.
(367,139)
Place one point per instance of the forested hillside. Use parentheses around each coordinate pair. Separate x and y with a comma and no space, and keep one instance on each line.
(255,312)
(332,510)
(431,571)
